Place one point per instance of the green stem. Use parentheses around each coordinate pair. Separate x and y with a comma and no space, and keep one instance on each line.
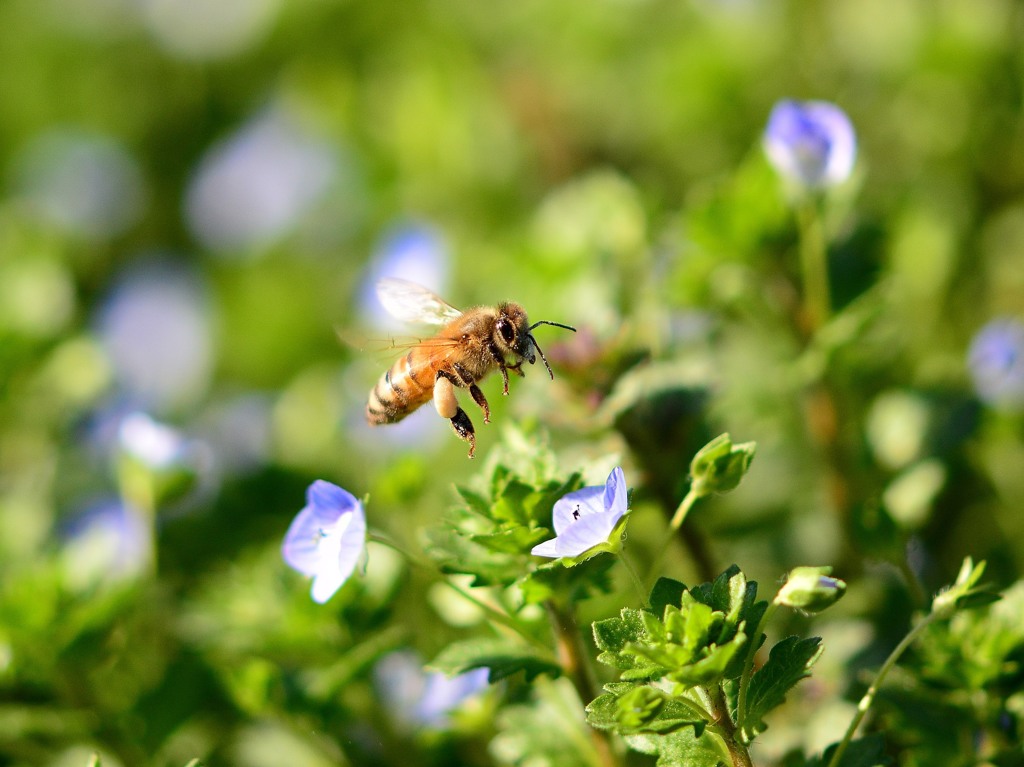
(869,696)
(748,669)
(634,576)
(498,616)
(673,526)
(917,592)
(814,264)
(574,661)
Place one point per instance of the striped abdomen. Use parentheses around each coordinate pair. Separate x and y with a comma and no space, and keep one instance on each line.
(408,384)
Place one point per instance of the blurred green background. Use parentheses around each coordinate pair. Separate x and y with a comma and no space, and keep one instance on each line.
(198,196)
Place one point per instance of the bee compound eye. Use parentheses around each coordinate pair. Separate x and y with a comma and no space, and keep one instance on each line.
(507,331)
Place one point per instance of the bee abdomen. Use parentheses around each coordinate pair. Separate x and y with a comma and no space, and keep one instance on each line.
(398,392)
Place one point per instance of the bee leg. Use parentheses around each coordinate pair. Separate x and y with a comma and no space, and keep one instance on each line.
(504,377)
(464,428)
(481,400)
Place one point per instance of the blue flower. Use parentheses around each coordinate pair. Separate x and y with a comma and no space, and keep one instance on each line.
(811,143)
(419,699)
(327,538)
(584,519)
(996,361)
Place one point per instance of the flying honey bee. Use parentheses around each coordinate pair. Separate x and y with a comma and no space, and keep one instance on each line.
(468,346)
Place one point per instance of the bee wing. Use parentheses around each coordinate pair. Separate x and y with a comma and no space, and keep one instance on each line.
(410,302)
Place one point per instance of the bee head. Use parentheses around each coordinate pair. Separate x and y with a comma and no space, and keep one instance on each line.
(514,337)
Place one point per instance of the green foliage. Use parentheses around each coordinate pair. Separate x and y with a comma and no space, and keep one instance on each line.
(788,662)
(503,659)
(196,199)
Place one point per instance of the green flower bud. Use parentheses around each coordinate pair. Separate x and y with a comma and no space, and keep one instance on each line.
(720,465)
(810,589)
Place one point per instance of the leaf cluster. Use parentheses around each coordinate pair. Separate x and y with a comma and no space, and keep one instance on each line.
(681,662)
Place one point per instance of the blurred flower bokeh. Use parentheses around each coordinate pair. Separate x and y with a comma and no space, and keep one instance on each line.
(197,201)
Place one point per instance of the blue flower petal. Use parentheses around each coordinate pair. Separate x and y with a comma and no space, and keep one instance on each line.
(585,533)
(330,497)
(811,143)
(326,538)
(546,549)
(570,507)
(301,543)
(615,491)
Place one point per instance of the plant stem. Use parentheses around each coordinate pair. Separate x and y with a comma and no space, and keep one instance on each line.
(748,669)
(869,696)
(673,526)
(498,616)
(634,576)
(813,264)
(573,658)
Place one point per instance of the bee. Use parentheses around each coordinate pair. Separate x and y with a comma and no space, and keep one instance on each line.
(468,346)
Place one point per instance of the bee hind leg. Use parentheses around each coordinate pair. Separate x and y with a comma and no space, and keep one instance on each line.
(464,428)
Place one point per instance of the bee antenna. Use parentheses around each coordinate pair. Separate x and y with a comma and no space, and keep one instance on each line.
(541,353)
(556,324)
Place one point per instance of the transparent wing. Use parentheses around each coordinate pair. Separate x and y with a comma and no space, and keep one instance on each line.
(410,302)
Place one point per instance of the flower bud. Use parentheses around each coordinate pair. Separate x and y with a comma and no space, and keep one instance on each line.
(720,465)
(810,589)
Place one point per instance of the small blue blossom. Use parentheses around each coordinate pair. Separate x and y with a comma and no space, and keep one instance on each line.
(811,143)
(327,538)
(156,445)
(419,699)
(585,518)
(996,362)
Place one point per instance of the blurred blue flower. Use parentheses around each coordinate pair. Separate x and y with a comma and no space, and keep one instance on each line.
(256,185)
(996,362)
(327,538)
(109,541)
(86,184)
(419,699)
(155,328)
(413,252)
(156,445)
(811,143)
(585,518)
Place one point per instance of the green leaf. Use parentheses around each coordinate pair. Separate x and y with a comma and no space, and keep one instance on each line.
(552,579)
(665,592)
(681,748)
(457,553)
(616,636)
(502,657)
(641,708)
(788,663)
(475,501)
(512,540)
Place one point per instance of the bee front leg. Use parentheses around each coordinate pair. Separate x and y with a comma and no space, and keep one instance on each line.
(481,400)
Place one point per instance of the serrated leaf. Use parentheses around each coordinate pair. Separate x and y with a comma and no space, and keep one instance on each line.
(509,506)
(680,749)
(475,502)
(788,663)
(665,592)
(641,708)
(615,636)
(457,554)
(501,657)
